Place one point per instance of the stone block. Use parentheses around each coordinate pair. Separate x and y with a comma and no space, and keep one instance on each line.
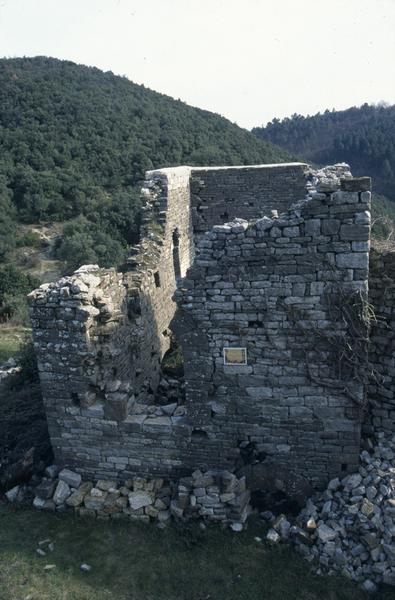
(355,232)
(106,484)
(46,489)
(94,501)
(260,392)
(157,425)
(77,497)
(42,504)
(312,227)
(330,226)
(62,492)
(362,218)
(140,499)
(291,232)
(352,260)
(116,408)
(70,477)
(301,411)
(356,184)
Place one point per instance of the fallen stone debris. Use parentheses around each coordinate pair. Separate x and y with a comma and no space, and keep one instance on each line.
(10,367)
(350,527)
(122,338)
(327,179)
(213,496)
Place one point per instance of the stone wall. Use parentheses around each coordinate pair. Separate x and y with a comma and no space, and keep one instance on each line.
(214,496)
(151,274)
(100,336)
(290,291)
(219,195)
(271,286)
(381,416)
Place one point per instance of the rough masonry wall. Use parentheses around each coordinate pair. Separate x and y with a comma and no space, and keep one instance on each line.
(291,291)
(381,390)
(164,255)
(100,336)
(219,195)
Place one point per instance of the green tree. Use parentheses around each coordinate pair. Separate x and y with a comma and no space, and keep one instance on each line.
(14,286)
(7,225)
(76,141)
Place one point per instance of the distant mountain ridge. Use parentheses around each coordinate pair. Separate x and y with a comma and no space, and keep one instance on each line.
(362,136)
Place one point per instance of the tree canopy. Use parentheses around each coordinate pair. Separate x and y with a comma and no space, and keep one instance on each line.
(362,136)
(74,145)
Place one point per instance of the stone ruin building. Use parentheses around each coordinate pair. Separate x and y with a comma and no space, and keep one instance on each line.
(259,277)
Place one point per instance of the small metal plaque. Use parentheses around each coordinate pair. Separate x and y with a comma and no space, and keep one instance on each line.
(235,356)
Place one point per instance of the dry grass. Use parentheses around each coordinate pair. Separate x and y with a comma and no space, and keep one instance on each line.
(11,337)
(383,245)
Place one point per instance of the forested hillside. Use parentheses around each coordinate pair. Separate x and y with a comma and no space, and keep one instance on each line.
(75,142)
(364,137)
(74,145)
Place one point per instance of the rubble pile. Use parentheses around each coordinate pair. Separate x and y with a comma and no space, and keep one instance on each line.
(327,179)
(170,390)
(350,527)
(213,496)
(217,496)
(10,367)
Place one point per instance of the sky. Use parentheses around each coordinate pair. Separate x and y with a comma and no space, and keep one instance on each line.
(248,60)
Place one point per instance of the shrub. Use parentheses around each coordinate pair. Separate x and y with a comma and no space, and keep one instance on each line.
(16,307)
(30,238)
(84,242)
(27,359)
(14,285)
(14,282)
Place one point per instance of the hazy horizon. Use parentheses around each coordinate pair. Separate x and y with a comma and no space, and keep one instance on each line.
(249,61)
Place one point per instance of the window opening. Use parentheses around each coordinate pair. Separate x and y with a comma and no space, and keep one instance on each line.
(176,254)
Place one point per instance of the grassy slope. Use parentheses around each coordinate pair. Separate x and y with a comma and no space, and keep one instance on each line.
(38,259)
(10,340)
(136,562)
